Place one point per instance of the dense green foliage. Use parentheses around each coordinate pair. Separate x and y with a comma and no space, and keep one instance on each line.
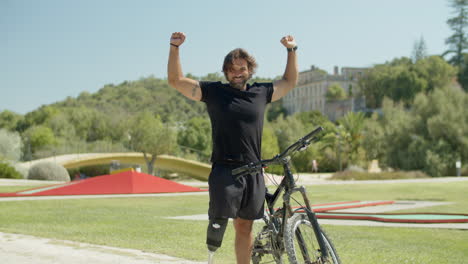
(421,125)
(401,79)
(431,136)
(123,118)
(335,92)
(357,175)
(195,137)
(89,171)
(463,73)
(7,171)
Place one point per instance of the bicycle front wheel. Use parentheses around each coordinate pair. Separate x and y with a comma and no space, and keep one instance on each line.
(301,243)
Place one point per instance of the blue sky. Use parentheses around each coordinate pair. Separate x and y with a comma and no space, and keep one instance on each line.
(51,49)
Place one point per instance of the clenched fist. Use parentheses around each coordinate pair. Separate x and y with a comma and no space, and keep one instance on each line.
(177,38)
(288,41)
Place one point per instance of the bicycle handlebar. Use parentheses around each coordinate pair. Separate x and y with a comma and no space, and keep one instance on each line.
(299,145)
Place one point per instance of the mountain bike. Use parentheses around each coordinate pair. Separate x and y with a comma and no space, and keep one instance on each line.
(289,230)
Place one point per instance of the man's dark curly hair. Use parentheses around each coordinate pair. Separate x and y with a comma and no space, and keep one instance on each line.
(239,54)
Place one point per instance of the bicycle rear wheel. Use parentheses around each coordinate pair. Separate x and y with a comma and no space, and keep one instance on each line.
(301,243)
(265,247)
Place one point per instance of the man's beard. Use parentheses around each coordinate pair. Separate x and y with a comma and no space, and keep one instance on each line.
(238,85)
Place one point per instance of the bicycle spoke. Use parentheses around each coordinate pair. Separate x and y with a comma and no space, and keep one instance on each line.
(302,245)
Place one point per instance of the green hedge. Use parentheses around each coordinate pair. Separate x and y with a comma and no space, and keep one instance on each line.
(7,171)
(355,175)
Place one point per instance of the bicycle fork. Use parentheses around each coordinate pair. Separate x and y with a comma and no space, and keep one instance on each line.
(313,221)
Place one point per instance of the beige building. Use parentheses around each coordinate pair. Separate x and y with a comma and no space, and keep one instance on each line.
(309,94)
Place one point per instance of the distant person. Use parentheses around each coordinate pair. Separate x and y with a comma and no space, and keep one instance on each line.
(236,110)
(79,176)
(314,166)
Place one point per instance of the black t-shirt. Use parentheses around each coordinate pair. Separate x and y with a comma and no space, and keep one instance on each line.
(236,120)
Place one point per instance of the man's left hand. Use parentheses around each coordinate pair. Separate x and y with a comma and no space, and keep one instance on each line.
(288,41)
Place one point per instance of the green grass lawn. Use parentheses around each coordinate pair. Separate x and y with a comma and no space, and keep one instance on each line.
(140,223)
(15,188)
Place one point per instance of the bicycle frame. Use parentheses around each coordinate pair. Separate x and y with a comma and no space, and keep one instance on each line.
(288,186)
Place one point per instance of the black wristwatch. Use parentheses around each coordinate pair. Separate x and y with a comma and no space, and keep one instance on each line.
(292,49)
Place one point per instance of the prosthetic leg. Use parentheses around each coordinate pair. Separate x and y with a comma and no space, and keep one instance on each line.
(214,236)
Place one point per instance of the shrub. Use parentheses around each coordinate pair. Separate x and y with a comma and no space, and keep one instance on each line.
(21,168)
(7,171)
(355,175)
(92,170)
(49,171)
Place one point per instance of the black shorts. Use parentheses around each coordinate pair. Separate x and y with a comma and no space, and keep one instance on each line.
(230,198)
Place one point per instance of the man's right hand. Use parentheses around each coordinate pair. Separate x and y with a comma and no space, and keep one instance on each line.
(177,38)
(188,87)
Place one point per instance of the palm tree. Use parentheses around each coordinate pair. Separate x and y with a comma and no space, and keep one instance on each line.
(351,134)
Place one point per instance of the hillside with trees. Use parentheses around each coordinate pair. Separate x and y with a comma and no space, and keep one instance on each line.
(428,132)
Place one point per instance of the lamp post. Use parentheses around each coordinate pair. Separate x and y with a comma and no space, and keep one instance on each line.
(130,141)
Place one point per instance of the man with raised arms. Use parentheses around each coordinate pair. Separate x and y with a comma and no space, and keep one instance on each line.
(236,111)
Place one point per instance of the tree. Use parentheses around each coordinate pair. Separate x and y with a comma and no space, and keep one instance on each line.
(335,92)
(275,109)
(352,125)
(373,85)
(419,50)
(374,141)
(458,41)
(38,137)
(151,137)
(9,120)
(82,119)
(62,127)
(430,136)
(445,128)
(463,73)
(394,80)
(401,79)
(435,71)
(37,117)
(196,135)
(100,127)
(287,130)
(10,145)
(270,145)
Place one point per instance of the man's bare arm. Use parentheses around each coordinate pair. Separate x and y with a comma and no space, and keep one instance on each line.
(288,82)
(188,87)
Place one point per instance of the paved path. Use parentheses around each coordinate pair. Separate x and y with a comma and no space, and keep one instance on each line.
(23,249)
(319,179)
